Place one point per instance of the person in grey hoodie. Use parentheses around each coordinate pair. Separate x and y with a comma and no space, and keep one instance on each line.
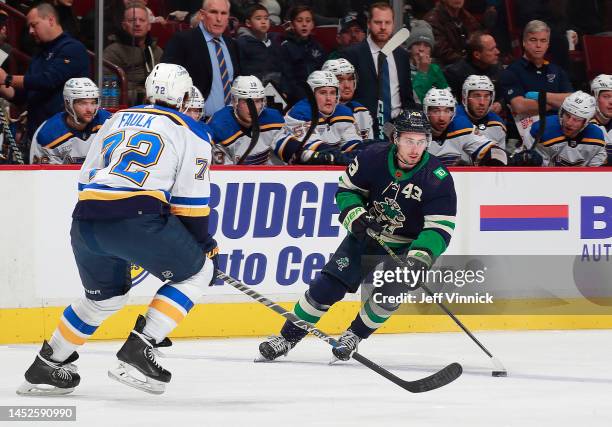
(259,54)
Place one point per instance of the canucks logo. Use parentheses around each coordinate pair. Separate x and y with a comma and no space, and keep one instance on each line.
(390,212)
(137,273)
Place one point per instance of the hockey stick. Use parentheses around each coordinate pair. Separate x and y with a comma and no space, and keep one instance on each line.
(441,378)
(254,129)
(314,114)
(499,371)
(398,38)
(13,147)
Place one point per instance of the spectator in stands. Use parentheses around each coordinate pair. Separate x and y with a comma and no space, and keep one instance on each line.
(482,60)
(397,84)
(451,25)
(61,58)
(352,30)
(4,33)
(135,51)
(527,76)
(301,53)
(66,137)
(66,17)
(425,74)
(210,58)
(259,53)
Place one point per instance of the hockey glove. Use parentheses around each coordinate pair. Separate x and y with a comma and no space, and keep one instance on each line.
(419,262)
(321,158)
(526,158)
(358,221)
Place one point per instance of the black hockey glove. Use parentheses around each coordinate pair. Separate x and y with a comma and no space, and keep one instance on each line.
(526,158)
(358,221)
(321,158)
(419,262)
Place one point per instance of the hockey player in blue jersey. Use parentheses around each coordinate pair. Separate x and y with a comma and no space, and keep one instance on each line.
(477,97)
(403,193)
(334,136)
(194,107)
(65,138)
(454,140)
(569,139)
(143,199)
(601,87)
(347,80)
(232,127)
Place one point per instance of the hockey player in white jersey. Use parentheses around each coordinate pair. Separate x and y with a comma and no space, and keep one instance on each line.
(347,79)
(65,138)
(477,97)
(453,135)
(143,199)
(242,139)
(334,135)
(569,139)
(601,87)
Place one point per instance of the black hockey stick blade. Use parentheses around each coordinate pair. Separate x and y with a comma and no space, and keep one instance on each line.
(445,376)
(254,129)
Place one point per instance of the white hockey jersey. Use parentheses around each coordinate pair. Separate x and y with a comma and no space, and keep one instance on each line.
(606,128)
(147,159)
(490,126)
(460,142)
(56,143)
(363,120)
(587,149)
(231,140)
(337,131)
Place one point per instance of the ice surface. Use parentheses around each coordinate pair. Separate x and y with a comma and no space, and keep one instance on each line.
(556,378)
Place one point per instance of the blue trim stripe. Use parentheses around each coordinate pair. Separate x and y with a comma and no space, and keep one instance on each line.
(194,201)
(523,224)
(76,322)
(177,296)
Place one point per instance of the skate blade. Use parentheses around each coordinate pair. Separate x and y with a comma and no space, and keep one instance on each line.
(260,359)
(122,375)
(29,389)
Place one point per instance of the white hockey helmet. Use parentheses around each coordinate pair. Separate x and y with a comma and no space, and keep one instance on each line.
(247,87)
(340,67)
(79,88)
(318,79)
(475,82)
(600,84)
(195,101)
(439,98)
(168,83)
(579,104)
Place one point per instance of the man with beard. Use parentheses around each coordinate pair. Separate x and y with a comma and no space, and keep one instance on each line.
(397,84)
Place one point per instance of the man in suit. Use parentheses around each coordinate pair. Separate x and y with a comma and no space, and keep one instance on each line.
(396,91)
(209,57)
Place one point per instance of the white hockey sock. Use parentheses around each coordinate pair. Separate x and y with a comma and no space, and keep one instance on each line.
(79,321)
(173,301)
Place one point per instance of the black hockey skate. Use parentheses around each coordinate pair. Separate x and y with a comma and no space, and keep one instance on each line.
(273,348)
(46,377)
(349,342)
(138,355)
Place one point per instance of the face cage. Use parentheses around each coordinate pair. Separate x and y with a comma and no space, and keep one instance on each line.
(69,106)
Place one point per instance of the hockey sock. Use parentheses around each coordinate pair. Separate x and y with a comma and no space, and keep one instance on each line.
(306,309)
(370,318)
(79,321)
(173,301)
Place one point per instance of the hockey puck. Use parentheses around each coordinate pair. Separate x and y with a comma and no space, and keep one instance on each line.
(499,373)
